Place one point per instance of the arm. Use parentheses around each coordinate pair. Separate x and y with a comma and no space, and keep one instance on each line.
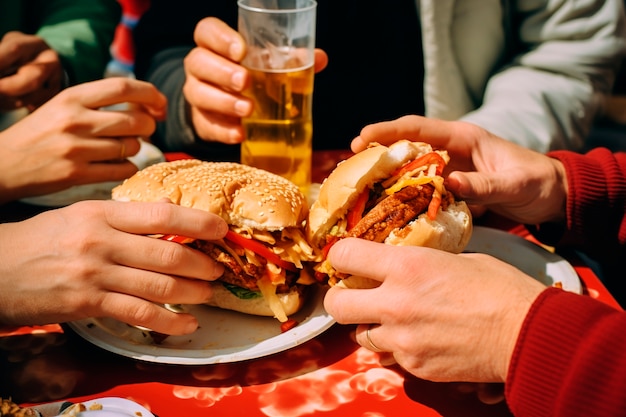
(567,58)
(596,203)
(569,359)
(595,213)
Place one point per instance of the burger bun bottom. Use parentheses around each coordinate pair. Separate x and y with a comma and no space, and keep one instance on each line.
(222,298)
(450,231)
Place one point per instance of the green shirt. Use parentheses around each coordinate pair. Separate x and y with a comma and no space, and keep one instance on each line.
(80,31)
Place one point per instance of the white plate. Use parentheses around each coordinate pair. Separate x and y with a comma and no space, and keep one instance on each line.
(111,407)
(148,155)
(534,260)
(223,336)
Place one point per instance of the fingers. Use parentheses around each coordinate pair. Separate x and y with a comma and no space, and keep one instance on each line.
(321,60)
(215,69)
(117,90)
(415,128)
(116,150)
(458,138)
(472,187)
(35,82)
(213,34)
(163,287)
(365,336)
(166,218)
(114,123)
(138,312)
(164,257)
(214,98)
(215,127)
(353,256)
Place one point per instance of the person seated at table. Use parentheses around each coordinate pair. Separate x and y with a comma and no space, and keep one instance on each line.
(48,45)
(70,141)
(470,317)
(532,72)
(93,259)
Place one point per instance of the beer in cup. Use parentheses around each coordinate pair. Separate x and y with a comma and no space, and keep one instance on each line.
(280,36)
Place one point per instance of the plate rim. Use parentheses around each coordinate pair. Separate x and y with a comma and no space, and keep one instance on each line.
(318,321)
(574,285)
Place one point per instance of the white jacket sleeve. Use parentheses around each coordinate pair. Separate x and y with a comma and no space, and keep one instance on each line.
(560,64)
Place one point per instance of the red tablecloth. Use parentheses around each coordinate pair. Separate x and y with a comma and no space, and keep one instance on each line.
(329,375)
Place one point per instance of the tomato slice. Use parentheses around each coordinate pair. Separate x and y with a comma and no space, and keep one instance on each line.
(427,159)
(328,245)
(433,206)
(260,249)
(288,325)
(356,213)
(177,238)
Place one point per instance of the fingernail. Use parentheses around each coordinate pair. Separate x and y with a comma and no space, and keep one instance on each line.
(219,270)
(242,107)
(235,50)
(191,327)
(237,80)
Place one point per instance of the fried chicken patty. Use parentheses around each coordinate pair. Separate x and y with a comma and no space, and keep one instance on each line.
(244,277)
(395,211)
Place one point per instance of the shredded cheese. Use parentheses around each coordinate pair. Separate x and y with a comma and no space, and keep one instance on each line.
(405,182)
(269,294)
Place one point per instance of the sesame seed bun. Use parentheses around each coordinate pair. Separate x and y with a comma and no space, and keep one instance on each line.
(243,196)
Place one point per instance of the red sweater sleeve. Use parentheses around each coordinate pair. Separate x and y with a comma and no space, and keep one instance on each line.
(570,359)
(596,205)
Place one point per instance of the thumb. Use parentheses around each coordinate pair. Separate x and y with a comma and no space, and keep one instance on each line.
(483,189)
(472,187)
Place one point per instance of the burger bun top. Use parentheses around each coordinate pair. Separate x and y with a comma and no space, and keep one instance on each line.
(242,195)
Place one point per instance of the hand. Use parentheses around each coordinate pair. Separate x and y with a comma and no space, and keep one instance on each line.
(31,71)
(521,184)
(71,141)
(445,317)
(215,81)
(92,259)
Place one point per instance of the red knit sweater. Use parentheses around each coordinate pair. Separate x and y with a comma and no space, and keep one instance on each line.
(570,358)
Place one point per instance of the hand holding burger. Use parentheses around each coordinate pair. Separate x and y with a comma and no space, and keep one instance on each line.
(264,252)
(392,195)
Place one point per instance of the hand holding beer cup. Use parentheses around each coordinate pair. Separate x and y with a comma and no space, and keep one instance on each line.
(280,35)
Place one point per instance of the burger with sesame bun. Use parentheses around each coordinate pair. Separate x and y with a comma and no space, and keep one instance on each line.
(264,252)
(392,195)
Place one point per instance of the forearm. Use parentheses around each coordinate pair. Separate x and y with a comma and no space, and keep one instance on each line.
(537,110)
(582,341)
(547,94)
(596,204)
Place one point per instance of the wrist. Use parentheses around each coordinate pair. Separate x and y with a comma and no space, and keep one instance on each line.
(559,192)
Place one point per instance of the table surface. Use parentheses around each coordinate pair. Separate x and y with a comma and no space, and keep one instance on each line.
(329,375)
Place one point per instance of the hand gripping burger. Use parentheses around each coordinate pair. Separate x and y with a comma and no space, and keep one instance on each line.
(264,251)
(389,194)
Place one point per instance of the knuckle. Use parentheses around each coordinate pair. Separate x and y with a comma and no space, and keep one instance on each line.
(143,314)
